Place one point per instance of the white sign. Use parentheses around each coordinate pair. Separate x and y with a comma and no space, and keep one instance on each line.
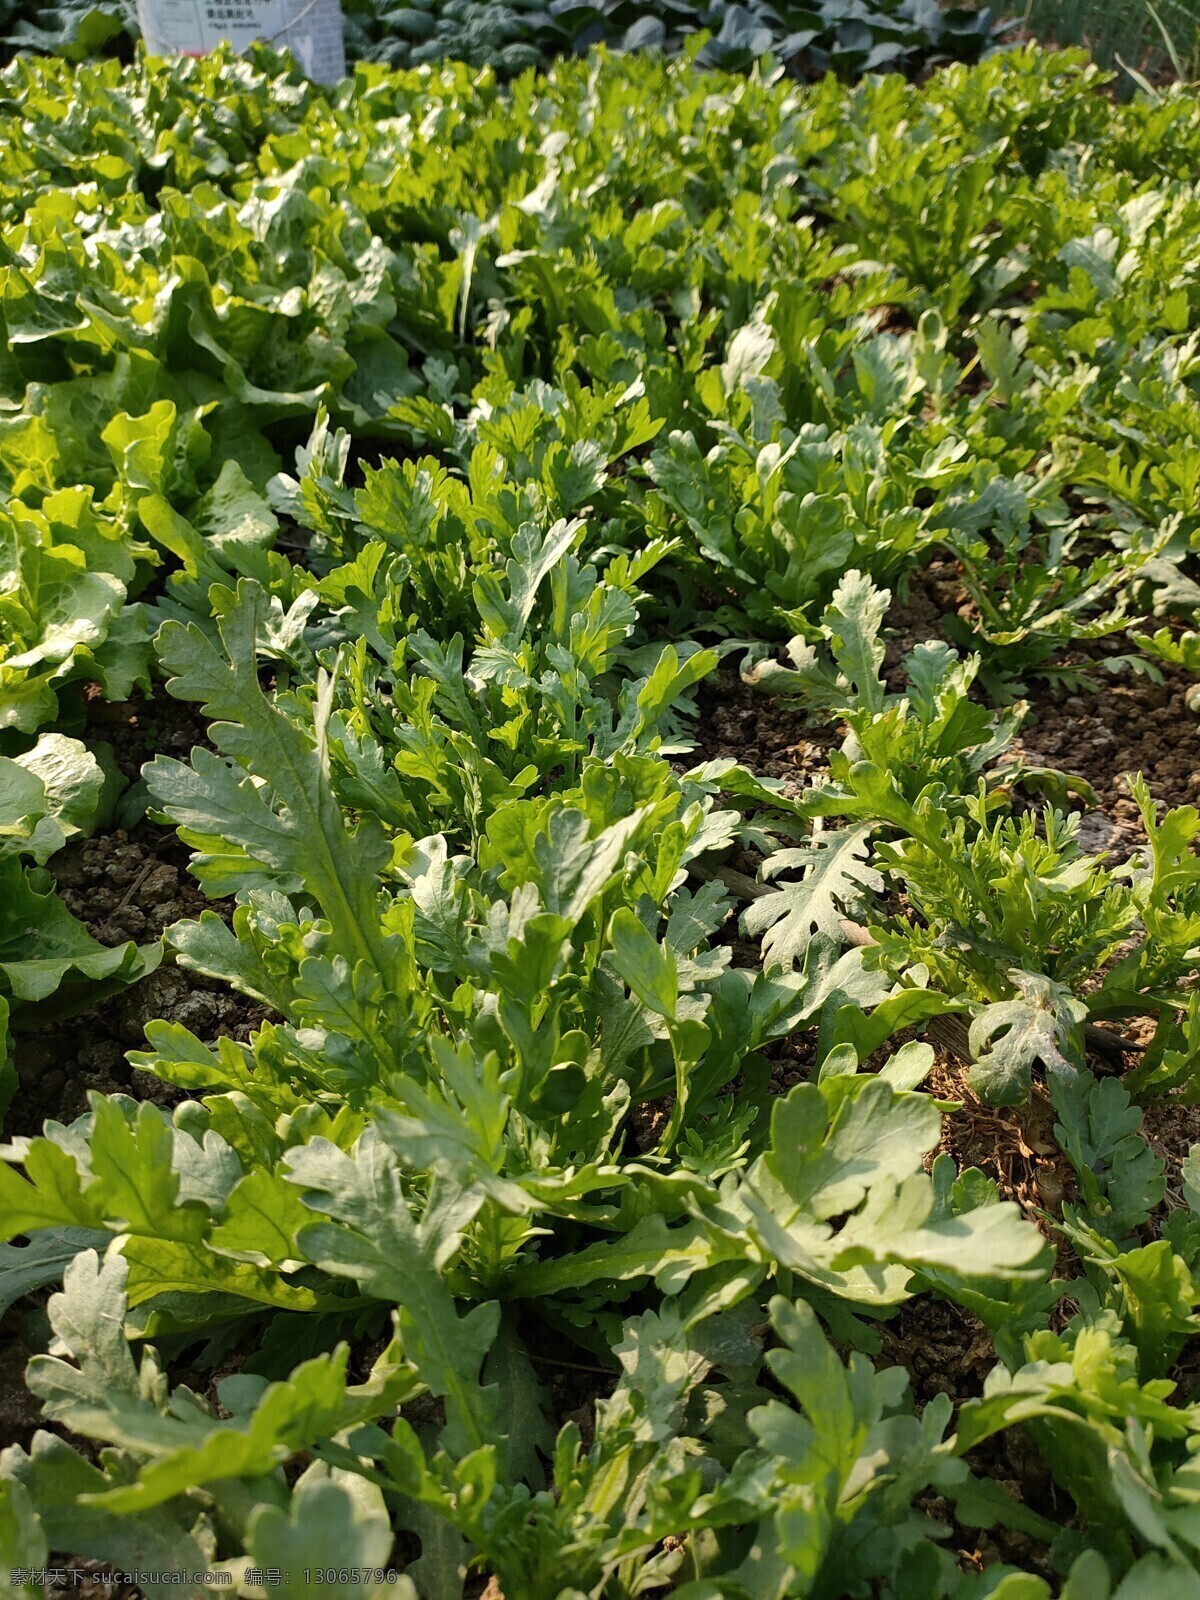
(310,29)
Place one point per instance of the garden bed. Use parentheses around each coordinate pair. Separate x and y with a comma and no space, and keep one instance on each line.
(596,1006)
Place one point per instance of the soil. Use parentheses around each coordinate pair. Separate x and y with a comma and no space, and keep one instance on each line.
(755,729)
(1133,725)
(1172,1128)
(125,884)
(122,886)
(1013,1145)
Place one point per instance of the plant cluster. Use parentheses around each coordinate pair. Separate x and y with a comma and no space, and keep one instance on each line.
(437,441)
(76,29)
(845,36)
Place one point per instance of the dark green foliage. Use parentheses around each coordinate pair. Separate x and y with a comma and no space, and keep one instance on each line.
(844,36)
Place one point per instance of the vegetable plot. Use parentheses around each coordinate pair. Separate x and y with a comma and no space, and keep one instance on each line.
(449,450)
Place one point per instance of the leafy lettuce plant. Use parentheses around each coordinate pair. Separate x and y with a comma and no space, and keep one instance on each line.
(65,573)
(1006,913)
(903,756)
(1114,1442)
(1011,912)
(775,511)
(1003,911)
(1097,1395)
(1164,884)
(932,734)
(1031,596)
